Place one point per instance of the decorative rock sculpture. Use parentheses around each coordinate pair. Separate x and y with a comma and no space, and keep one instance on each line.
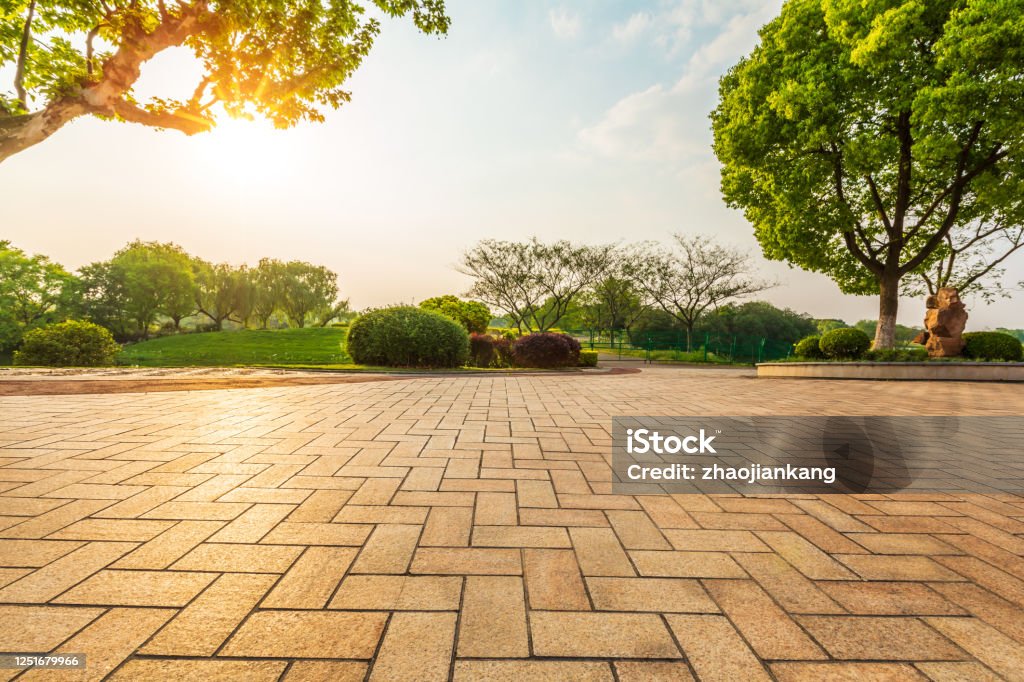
(944,324)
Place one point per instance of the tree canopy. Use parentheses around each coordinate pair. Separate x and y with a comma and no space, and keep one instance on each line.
(284,60)
(858,137)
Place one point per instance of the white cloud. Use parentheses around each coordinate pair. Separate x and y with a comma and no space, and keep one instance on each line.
(565,24)
(668,123)
(631,29)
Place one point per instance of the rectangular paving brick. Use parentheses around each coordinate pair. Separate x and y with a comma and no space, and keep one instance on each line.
(805,557)
(715,541)
(553,580)
(154,669)
(671,564)
(343,534)
(169,546)
(600,635)
(466,561)
(138,588)
(47,582)
(599,553)
(41,628)
(320,507)
(106,642)
(307,634)
(53,521)
(791,589)
(312,579)
(769,630)
(447,527)
(991,647)
(636,530)
(326,671)
(872,567)
(201,627)
(878,637)
(495,509)
(429,658)
(520,536)
(399,593)
(590,518)
(238,558)
(854,672)
(715,650)
(254,523)
(128,530)
(34,553)
(493,623)
(663,595)
(514,671)
(388,550)
(890,598)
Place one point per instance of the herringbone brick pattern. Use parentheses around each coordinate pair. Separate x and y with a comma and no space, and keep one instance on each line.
(464,527)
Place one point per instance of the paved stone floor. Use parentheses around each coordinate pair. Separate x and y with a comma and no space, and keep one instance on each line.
(426,528)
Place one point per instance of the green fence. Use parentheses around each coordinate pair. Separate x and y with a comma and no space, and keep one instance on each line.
(651,346)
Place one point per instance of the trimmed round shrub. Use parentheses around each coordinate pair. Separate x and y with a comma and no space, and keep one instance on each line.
(404,336)
(588,358)
(995,346)
(847,343)
(546,350)
(68,344)
(808,347)
(482,352)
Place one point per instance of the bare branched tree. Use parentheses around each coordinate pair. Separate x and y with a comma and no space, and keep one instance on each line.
(696,276)
(533,282)
(970,260)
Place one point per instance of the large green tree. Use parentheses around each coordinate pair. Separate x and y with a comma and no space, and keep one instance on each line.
(282,59)
(33,291)
(859,135)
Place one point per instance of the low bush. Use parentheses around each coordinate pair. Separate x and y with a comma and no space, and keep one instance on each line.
(546,350)
(897,355)
(808,347)
(404,336)
(995,346)
(482,352)
(848,343)
(503,351)
(588,358)
(67,344)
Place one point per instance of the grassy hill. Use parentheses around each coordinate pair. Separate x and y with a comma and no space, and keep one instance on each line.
(318,346)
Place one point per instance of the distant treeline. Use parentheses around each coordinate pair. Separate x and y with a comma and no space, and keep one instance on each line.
(147,285)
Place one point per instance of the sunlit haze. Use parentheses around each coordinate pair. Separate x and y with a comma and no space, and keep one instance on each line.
(578,120)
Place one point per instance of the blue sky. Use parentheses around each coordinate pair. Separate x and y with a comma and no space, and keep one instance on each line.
(580,120)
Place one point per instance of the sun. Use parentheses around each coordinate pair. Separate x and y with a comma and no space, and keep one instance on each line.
(247,152)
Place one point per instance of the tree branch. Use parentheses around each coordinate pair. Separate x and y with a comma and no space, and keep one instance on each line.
(19,71)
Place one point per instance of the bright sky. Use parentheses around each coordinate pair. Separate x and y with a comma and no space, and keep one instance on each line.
(580,120)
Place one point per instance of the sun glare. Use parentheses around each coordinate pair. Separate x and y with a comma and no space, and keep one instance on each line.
(248,152)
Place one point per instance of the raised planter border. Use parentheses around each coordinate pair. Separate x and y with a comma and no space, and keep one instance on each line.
(895,371)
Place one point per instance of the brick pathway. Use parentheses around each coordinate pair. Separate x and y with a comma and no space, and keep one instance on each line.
(426,528)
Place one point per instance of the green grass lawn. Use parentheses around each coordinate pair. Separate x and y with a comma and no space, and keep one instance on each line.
(281,347)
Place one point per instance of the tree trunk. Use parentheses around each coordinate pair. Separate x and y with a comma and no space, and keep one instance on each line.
(888,306)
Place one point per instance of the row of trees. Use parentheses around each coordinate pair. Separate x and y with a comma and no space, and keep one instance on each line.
(146,283)
(537,284)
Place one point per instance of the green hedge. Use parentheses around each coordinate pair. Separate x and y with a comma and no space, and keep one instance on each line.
(588,358)
(808,347)
(404,336)
(67,344)
(847,343)
(995,346)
